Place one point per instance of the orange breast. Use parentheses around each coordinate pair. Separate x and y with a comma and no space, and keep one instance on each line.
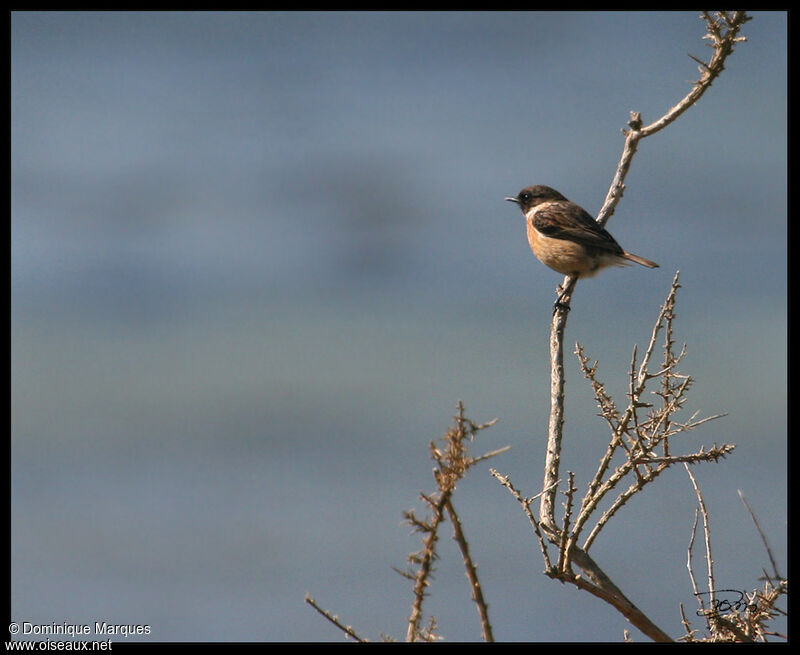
(566,257)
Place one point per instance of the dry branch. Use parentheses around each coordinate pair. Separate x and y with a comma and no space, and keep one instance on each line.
(334,619)
(722,30)
(747,617)
(452,462)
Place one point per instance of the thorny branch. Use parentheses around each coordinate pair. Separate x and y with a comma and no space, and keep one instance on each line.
(452,462)
(334,619)
(636,454)
(744,618)
(471,571)
(723,33)
(628,433)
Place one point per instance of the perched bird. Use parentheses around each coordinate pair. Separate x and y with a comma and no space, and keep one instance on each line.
(566,238)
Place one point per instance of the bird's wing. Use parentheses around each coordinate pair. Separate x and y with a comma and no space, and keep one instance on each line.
(569,222)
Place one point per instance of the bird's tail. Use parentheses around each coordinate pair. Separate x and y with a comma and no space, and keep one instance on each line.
(640,260)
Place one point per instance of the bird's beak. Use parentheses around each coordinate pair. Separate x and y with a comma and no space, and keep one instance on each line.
(513,200)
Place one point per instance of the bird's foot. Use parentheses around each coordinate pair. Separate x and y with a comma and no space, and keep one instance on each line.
(560,305)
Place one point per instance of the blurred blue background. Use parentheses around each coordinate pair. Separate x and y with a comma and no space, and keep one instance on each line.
(257,258)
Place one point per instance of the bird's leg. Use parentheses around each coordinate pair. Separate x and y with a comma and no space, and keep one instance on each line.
(559,303)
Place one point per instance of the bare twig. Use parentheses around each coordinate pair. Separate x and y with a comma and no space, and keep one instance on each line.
(772,561)
(686,626)
(567,540)
(471,572)
(712,455)
(452,462)
(424,560)
(526,506)
(706,536)
(334,619)
(555,428)
(723,31)
(621,499)
(690,569)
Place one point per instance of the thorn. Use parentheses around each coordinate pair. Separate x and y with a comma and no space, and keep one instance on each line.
(699,61)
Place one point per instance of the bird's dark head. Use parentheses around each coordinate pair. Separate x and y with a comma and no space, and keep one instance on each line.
(535,195)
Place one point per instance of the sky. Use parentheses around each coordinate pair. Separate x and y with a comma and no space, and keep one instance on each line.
(257,259)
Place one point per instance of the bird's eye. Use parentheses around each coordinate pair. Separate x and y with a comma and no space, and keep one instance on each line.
(526,196)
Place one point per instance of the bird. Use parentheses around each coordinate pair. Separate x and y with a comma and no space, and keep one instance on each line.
(566,238)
